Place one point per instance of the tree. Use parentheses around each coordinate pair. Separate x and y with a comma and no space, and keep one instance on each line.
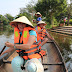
(4,20)
(69,12)
(9,17)
(24,14)
(29,9)
(49,8)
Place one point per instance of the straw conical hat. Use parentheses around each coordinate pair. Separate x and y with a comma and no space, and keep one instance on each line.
(37,64)
(38,13)
(41,22)
(22,19)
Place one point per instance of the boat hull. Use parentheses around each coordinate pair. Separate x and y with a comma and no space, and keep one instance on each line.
(52,62)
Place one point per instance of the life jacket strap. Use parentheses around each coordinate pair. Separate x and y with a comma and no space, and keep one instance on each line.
(38,51)
(21,53)
(36,43)
(41,53)
(31,48)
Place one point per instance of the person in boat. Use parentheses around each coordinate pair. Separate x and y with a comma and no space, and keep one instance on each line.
(38,15)
(26,44)
(42,32)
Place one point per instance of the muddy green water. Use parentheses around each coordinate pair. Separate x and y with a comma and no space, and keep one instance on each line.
(65,44)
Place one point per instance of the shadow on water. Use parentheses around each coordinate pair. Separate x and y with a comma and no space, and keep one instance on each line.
(65,43)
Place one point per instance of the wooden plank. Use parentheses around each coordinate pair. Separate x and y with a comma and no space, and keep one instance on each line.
(2,70)
(45,60)
(7,67)
(63,30)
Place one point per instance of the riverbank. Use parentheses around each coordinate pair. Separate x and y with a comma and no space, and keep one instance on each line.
(63,30)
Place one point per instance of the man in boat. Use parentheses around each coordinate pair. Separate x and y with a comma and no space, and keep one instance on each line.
(26,43)
(38,14)
(42,32)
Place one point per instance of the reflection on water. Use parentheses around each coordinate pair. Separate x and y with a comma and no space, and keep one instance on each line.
(65,43)
(5,35)
(6,31)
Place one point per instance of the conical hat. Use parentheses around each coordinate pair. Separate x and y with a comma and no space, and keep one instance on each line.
(37,63)
(22,19)
(41,22)
(38,13)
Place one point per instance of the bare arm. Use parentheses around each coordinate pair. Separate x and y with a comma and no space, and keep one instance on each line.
(7,51)
(20,46)
(28,45)
(23,46)
(49,36)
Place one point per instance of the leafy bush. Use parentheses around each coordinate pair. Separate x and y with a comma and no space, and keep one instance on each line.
(70,21)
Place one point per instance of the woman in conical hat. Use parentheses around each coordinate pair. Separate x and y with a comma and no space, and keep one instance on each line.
(26,41)
(42,32)
(38,14)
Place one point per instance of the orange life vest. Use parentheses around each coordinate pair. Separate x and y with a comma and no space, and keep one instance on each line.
(30,53)
(41,34)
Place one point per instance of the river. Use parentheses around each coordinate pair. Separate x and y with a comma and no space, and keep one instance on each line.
(64,41)
(65,44)
(5,35)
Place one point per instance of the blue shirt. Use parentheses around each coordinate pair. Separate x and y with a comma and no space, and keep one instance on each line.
(31,33)
(39,19)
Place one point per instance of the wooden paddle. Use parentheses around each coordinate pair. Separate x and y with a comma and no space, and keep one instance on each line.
(1,60)
(2,49)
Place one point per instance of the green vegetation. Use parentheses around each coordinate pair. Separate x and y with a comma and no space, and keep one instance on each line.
(5,20)
(69,12)
(52,10)
(70,22)
(53,13)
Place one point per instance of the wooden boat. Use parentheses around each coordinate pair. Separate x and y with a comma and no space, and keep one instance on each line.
(52,61)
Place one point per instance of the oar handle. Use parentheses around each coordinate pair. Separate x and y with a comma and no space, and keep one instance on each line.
(2,49)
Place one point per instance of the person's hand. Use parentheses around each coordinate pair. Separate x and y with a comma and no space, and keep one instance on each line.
(43,27)
(52,38)
(8,44)
(2,53)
